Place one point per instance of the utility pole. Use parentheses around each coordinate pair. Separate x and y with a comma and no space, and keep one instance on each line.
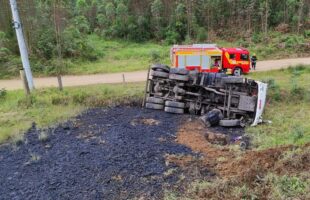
(21,43)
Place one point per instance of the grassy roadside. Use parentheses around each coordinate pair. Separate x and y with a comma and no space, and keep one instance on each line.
(46,107)
(288,108)
(125,56)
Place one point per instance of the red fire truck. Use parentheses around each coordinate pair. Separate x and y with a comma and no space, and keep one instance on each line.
(210,58)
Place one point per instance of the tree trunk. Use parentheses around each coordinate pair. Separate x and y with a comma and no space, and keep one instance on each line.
(301,4)
(57,22)
(266,19)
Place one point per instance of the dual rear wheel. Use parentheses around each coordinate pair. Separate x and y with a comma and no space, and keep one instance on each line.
(169,106)
(174,107)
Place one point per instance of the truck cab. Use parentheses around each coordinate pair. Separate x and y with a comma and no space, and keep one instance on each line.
(236,59)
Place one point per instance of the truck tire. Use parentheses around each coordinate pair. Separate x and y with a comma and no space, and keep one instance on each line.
(175,104)
(178,77)
(179,71)
(154,106)
(160,67)
(237,71)
(159,74)
(230,123)
(174,110)
(154,100)
(233,79)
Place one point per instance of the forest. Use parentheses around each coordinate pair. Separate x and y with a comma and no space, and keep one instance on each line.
(56,29)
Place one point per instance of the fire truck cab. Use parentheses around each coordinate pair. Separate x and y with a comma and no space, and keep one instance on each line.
(210,58)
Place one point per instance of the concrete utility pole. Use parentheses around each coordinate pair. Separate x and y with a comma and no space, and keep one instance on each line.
(21,43)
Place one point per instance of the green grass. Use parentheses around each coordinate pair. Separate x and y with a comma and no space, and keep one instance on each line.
(46,107)
(289,111)
(122,56)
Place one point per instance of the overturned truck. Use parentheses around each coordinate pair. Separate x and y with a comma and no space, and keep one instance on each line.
(217,97)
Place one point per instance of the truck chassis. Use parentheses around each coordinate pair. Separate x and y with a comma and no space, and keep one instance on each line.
(217,97)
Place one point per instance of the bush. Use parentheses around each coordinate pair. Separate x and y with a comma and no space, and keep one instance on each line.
(27,101)
(202,34)
(76,45)
(293,40)
(46,43)
(155,56)
(274,89)
(243,43)
(2,93)
(297,92)
(59,100)
(297,132)
(4,51)
(307,33)
(257,37)
(79,98)
(82,24)
(288,187)
(188,39)
(172,37)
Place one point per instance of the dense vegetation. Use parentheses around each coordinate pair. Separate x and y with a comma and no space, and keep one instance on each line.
(57,29)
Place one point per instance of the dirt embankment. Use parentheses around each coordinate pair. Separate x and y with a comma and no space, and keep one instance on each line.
(236,168)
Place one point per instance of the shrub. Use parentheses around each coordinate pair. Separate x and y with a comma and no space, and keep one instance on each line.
(155,56)
(76,45)
(307,33)
(188,39)
(4,51)
(257,37)
(79,98)
(81,23)
(274,89)
(172,37)
(2,93)
(293,40)
(27,101)
(243,43)
(296,91)
(297,132)
(46,43)
(59,100)
(202,34)
(288,187)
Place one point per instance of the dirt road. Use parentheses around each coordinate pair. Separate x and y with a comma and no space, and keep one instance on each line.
(131,76)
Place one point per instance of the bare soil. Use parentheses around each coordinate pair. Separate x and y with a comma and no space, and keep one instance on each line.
(236,167)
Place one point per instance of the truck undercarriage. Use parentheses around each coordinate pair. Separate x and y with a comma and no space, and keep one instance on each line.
(217,97)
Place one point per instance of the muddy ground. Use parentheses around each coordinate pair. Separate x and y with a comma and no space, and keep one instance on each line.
(133,153)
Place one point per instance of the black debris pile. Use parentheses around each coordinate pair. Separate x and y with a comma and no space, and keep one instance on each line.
(115,153)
